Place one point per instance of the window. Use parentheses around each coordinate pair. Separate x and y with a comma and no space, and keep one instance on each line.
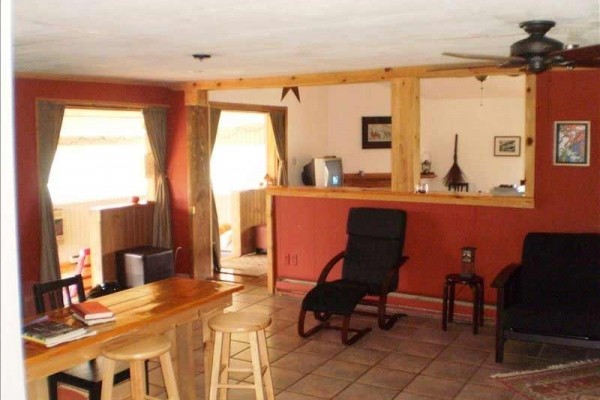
(102,154)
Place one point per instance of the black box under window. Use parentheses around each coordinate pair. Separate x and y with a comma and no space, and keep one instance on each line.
(144,264)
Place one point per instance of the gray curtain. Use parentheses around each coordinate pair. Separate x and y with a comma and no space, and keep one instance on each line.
(278,122)
(155,119)
(49,121)
(215,114)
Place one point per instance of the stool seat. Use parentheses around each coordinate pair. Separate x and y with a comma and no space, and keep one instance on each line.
(136,347)
(239,322)
(466,279)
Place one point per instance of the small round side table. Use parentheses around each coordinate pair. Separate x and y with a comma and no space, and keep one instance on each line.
(475,282)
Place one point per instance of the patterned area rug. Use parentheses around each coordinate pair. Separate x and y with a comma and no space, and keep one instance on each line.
(574,381)
(249,265)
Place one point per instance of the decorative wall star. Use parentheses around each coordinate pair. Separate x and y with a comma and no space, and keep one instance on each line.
(294,89)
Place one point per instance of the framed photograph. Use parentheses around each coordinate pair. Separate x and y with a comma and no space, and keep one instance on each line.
(376,132)
(572,143)
(507,146)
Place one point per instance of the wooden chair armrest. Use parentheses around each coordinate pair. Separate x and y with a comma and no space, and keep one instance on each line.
(327,268)
(506,276)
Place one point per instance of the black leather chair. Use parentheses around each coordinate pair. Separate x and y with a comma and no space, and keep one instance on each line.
(87,376)
(370,268)
(553,294)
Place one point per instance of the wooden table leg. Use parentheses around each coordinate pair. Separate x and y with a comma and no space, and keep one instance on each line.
(38,389)
(185,362)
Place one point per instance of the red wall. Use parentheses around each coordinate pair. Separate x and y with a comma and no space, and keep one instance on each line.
(26,93)
(567,199)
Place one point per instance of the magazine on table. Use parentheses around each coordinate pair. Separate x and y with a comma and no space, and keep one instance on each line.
(51,333)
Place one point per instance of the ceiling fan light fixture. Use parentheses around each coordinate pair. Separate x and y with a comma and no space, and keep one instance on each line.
(536,64)
(201,56)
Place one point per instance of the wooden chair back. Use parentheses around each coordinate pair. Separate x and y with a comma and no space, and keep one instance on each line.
(56,293)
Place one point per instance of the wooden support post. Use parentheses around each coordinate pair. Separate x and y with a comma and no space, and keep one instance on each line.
(405,134)
(529,148)
(198,131)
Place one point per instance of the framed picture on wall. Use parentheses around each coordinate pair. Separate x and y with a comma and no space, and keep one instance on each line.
(572,143)
(376,132)
(507,146)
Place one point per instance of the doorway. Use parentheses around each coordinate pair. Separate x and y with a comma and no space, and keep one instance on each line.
(239,165)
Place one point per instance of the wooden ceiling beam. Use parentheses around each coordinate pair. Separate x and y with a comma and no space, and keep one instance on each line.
(359,76)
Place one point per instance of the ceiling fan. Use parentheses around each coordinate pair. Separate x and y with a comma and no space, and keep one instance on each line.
(539,52)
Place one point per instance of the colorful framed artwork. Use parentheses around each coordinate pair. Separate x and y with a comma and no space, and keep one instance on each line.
(376,132)
(507,146)
(572,143)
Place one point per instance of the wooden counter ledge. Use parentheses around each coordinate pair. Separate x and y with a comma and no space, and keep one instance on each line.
(383,194)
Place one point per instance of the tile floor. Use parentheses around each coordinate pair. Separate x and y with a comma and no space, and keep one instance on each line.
(415,360)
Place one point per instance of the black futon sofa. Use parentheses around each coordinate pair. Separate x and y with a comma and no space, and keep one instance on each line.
(553,295)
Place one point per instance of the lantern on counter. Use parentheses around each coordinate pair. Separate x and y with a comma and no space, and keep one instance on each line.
(468,261)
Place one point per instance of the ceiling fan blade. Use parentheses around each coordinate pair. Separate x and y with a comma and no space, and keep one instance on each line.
(451,67)
(588,63)
(513,63)
(482,57)
(579,53)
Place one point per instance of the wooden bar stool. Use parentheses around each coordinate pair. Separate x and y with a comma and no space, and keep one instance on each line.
(476,284)
(136,349)
(241,322)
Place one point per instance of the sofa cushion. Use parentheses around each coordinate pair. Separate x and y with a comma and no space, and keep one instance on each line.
(554,318)
(562,266)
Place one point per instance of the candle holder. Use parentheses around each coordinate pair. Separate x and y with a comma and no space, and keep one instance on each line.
(468,261)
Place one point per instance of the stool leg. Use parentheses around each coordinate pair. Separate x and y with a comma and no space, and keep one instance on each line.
(224,375)
(451,302)
(108,375)
(475,308)
(169,376)
(138,387)
(445,307)
(481,303)
(264,357)
(256,366)
(216,366)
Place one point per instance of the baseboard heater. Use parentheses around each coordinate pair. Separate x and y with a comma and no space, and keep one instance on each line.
(404,296)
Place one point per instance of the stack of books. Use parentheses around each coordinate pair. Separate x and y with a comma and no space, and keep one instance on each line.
(92,313)
(50,333)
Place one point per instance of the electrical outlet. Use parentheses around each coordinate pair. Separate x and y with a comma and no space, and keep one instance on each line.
(295,259)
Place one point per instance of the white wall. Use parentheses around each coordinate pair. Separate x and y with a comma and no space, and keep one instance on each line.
(12,377)
(327,121)
(347,105)
(476,120)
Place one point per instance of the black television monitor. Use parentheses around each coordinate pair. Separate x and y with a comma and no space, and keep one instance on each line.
(324,172)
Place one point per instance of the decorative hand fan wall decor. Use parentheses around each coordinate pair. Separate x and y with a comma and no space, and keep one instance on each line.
(538,52)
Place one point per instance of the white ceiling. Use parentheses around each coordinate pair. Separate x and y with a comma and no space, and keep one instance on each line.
(154,40)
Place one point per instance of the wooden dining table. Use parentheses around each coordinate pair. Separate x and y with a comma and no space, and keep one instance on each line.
(168,307)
